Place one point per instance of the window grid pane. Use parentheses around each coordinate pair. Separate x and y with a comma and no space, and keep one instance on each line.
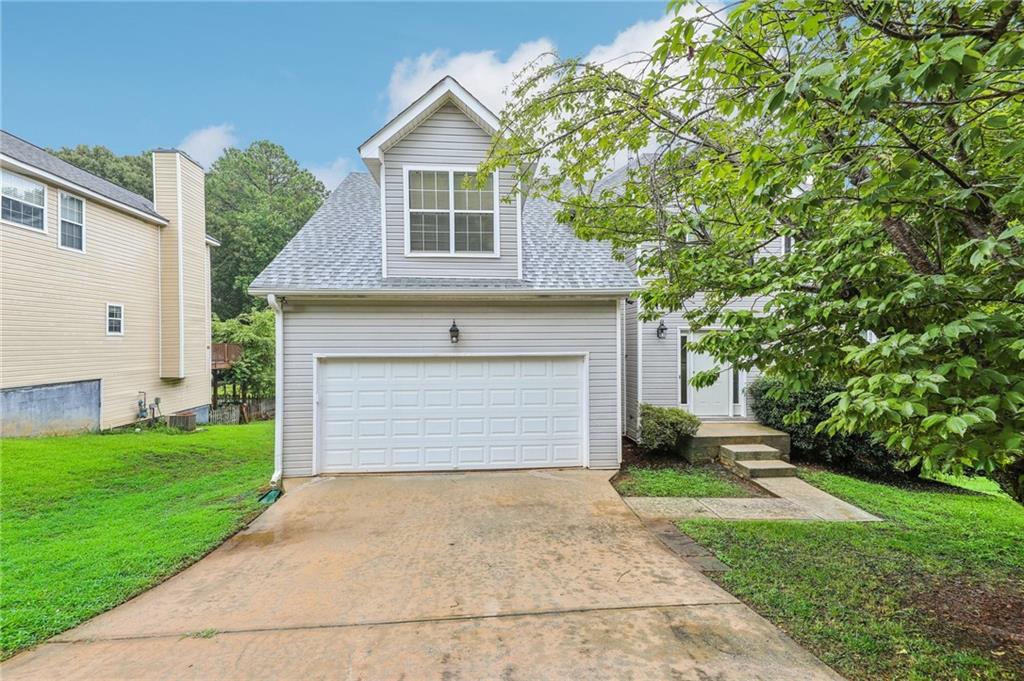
(429,232)
(22,189)
(428,190)
(472,198)
(70,235)
(474,232)
(22,213)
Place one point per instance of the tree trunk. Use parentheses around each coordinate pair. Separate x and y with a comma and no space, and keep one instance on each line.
(1011,479)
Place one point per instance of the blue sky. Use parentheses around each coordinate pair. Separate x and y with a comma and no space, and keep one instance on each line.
(318,78)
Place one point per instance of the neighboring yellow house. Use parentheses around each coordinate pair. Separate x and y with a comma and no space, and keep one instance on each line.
(104,294)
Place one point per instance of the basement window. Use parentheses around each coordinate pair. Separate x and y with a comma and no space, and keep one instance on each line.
(115,319)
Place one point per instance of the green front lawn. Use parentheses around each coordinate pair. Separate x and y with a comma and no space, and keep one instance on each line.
(688,481)
(91,520)
(935,592)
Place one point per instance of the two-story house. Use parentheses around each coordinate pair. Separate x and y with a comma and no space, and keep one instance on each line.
(426,325)
(104,294)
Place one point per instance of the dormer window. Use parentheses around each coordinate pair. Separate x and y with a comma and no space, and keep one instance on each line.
(448,214)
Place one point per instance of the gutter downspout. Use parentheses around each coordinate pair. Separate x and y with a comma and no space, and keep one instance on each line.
(275,305)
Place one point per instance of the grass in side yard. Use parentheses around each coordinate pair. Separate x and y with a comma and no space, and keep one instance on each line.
(935,592)
(691,481)
(91,520)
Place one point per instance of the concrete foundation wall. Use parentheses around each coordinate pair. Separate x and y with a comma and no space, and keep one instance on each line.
(50,409)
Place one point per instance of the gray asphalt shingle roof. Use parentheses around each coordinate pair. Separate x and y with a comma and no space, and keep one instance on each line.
(30,154)
(339,249)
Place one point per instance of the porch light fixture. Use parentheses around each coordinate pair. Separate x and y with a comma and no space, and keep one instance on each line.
(453,332)
(661,329)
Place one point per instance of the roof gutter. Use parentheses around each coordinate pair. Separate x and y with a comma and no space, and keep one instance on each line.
(432,292)
(79,189)
(275,305)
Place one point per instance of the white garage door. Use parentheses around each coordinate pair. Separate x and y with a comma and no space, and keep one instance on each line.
(434,414)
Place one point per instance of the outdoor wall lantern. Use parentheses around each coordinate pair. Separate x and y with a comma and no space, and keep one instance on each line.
(453,332)
(661,329)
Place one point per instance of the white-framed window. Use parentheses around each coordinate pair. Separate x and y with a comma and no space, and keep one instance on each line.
(72,222)
(447,214)
(787,244)
(115,319)
(24,201)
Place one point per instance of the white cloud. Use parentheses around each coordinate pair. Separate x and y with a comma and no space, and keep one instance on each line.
(331,174)
(482,73)
(628,44)
(207,144)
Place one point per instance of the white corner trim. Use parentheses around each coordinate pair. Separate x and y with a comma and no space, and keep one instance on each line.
(620,320)
(159,279)
(519,234)
(181,270)
(384,221)
(275,305)
(639,364)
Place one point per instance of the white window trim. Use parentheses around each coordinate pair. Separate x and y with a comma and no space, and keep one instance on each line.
(451,170)
(106,320)
(60,221)
(46,204)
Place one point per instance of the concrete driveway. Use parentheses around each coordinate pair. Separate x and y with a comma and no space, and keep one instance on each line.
(511,575)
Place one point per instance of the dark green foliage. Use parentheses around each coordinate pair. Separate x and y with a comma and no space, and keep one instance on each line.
(854,452)
(134,173)
(884,138)
(254,331)
(661,428)
(256,200)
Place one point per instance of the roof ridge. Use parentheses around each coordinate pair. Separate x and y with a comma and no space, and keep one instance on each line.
(79,168)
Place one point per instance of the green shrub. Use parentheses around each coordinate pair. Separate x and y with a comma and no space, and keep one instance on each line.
(661,428)
(852,452)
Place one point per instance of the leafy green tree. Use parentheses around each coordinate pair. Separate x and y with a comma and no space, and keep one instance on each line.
(256,200)
(254,331)
(134,173)
(885,138)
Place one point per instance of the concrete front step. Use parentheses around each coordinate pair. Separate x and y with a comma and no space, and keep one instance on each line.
(770,468)
(749,452)
(704,446)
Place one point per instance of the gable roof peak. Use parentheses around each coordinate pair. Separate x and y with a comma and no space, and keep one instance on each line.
(448,89)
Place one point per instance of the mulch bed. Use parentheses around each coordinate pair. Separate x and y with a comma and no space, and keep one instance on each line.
(982,617)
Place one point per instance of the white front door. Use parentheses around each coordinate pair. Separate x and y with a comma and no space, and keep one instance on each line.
(435,414)
(722,398)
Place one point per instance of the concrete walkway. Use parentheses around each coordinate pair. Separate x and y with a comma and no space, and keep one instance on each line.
(794,500)
(517,575)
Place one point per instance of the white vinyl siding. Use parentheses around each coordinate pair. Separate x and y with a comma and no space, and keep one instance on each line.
(494,328)
(447,139)
(72,222)
(24,201)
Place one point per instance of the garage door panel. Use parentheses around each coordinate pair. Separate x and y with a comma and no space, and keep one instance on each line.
(381,414)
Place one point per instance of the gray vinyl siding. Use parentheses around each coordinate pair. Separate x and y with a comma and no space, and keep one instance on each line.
(382,328)
(658,374)
(446,138)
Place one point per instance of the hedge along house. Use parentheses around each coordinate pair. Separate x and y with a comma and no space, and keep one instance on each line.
(426,326)
(105,294)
